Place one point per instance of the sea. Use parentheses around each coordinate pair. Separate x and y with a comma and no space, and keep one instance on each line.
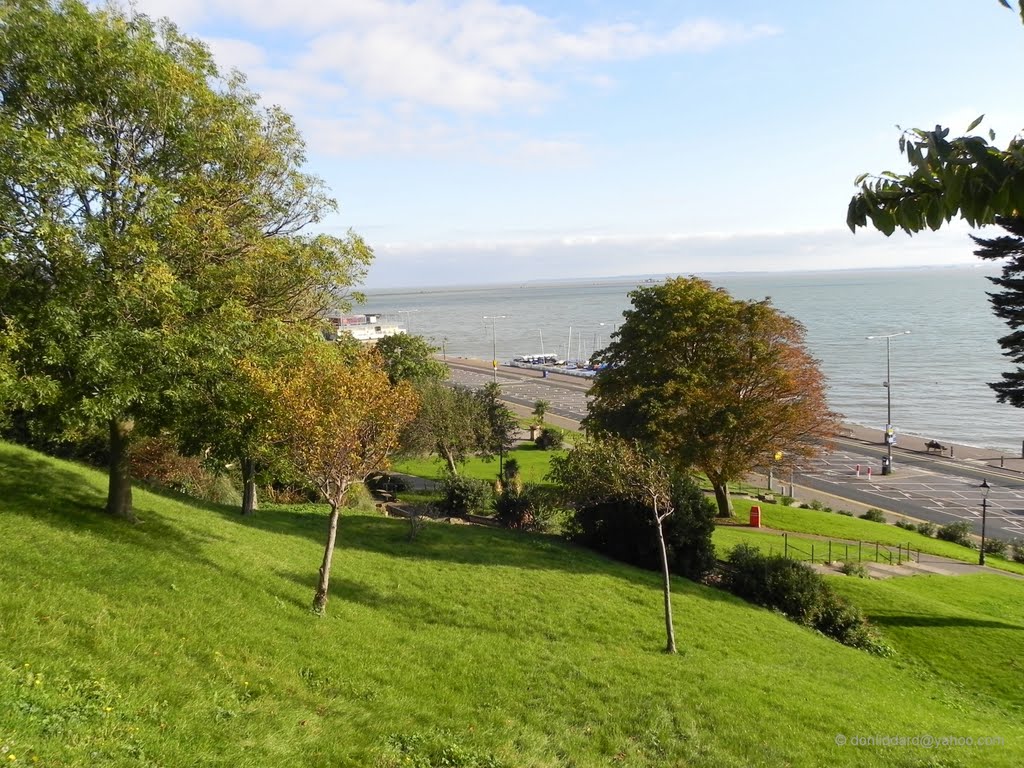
(940,370)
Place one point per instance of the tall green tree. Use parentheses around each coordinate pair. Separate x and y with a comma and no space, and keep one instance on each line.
(450,423)
(143,196)
(500,425)
(710,382)
(410,358)
(1008,303)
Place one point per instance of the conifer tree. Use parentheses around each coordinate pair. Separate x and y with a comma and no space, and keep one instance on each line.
(1008,303)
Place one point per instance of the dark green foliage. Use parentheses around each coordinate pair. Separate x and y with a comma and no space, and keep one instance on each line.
(550,439)
(874,515)
(854,569)
(800,593)
(926,529)
(625,530)
(382,481)
(461,496)
(1008,303)
(528,509)
(845,513)
(958,533)
(1018,550)
(906,525)
(500,426)
(996,547)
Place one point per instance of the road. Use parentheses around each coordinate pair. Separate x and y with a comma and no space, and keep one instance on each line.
(931,488)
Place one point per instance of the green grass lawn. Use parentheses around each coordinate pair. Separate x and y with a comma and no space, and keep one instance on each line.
(534,465)
(837,526)
(187,640)
(966,629)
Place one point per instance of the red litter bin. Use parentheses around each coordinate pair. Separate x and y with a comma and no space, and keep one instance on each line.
(755,517)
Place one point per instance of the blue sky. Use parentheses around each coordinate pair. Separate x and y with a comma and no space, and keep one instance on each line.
(489,141)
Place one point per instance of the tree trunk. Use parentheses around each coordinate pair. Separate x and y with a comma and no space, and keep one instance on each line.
(320,598)
(119,489)
(722,499)
(670,635)
(249,503)
(451,462)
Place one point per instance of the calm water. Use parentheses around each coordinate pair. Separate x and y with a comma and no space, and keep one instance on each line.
(939,371)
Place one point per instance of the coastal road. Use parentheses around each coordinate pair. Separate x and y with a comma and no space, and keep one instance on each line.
(931,488)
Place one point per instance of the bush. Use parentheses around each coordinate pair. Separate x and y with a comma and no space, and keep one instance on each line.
(1018,550)
(958,533)
(874,515)
(816,505)
(996,547)
(786,501)
(461,496)
(926,529)
(525,509)
(800,593)
(550,439)
(854,569)
(624,530)
(845,513)
(906,525)
(156,460)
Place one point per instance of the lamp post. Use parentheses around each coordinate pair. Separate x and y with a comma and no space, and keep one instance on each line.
(985,488)
(494,344)
(890,434)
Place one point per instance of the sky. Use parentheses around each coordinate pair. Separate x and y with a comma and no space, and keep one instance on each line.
(491,141)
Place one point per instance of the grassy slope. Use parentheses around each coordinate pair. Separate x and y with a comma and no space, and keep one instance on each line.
(967,629)
(186,640)
(837,526)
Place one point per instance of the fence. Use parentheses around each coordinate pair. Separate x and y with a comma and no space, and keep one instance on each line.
(829,551)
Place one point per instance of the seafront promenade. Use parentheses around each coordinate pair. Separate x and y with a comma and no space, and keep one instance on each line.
(925,485)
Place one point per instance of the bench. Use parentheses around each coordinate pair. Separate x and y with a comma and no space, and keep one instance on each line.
(934,446)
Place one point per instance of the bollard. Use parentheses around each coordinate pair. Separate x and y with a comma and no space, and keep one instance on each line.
(1001,465)
(951,450)
(858,470)
(869,473)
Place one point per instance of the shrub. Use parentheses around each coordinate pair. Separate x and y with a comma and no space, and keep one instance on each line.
(624,530)
(527,508)
(1018,550)
(845,513)
(550,439)
(926,529)
(786,500)
(800,593)
(906,525)
(874,515)
(816,505)
(996,547)
(854,569)
(461,496)
(958,533)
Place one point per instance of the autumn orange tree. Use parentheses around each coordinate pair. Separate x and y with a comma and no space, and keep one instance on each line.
(710,382)
(337,420)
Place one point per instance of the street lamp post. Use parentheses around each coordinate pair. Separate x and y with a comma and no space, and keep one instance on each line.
(985,487)
(890,434)
(494,344)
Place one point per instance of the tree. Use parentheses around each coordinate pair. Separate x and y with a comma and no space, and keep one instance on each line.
(619,472)
(450,422)
(410,358)
(1008,304)
(540,410)
(337,421)
(143,196)
(964,176)
(500,425)
(710,382)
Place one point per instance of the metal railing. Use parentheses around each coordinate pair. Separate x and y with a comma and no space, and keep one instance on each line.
(830,551)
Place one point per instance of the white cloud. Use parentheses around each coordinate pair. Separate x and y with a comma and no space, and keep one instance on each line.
(596,255)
